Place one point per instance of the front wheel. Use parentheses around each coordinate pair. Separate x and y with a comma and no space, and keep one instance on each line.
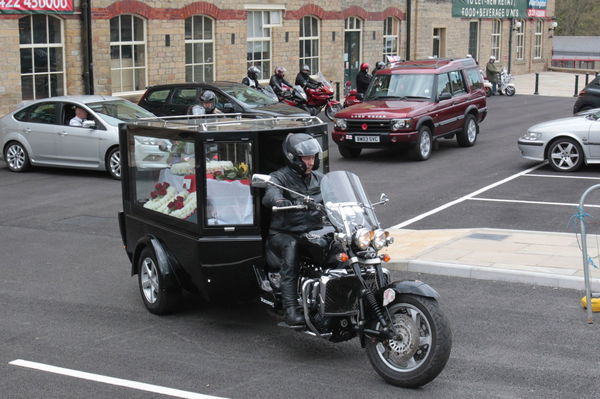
(510,91)
(331,110)
(422,347)
(422,150)
(565,155)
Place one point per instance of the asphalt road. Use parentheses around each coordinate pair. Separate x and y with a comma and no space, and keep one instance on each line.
(68,300)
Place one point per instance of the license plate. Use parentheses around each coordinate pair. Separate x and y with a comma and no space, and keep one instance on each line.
(366,139)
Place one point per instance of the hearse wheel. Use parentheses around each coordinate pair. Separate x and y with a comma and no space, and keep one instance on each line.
(422,150)
(349,152)
(157,298)
(468,136)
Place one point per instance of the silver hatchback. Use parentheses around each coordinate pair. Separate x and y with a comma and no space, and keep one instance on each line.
(39,133)
(566,143)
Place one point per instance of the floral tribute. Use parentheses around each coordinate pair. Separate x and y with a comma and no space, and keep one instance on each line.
(165,199)
(240,171)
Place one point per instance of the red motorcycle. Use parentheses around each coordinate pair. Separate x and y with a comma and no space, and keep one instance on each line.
(352,96)
(322,97)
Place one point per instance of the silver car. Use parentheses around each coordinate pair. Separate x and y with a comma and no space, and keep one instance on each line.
(566,143)
(38,133)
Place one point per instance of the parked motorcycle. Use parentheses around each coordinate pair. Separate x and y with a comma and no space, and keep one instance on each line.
(322,97)
(345,292)
(351,96)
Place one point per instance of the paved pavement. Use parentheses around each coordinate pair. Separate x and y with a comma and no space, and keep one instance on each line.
(531,257)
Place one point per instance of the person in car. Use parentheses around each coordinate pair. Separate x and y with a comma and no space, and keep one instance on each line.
(378,66)
(278,79)
(208,101)
(363,78)
(301,152)
(252,78)
(491,72)
(304,80)
(80,116)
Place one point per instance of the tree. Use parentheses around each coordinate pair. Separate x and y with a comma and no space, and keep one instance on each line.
(577,17)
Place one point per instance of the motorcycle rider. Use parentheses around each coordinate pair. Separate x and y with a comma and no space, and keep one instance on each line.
(208,101)
(252,78)
(278,79)
(378,66)
(304,80)
(301,152)
(491,72)
(363,78)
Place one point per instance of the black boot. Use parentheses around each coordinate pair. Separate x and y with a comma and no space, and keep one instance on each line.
(289,299)
(294,316)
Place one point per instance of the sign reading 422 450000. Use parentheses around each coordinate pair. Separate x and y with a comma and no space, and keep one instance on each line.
(36,6)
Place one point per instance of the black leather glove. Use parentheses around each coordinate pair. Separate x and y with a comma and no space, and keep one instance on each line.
(283,202)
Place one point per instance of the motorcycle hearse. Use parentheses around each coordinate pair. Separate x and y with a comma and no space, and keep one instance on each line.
(192,220)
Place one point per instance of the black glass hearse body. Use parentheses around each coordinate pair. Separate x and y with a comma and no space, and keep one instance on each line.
(190,218)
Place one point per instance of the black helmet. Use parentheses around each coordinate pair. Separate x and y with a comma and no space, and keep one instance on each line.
(305,70)
(253,72)
(379,65)
(297,145)
(208,97)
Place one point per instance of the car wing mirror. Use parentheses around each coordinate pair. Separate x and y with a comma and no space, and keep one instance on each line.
(228,108)
(383,199)
(89,124)
(444,96)
(260,181)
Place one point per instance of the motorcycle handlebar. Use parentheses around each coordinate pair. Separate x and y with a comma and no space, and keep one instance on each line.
(289,208)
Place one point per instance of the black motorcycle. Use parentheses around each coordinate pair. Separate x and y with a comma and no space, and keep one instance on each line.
(345,292)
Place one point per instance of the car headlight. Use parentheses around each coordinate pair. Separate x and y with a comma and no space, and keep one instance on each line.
(362,238)
(398,124)
(532,136)
(341,124)
(379,239)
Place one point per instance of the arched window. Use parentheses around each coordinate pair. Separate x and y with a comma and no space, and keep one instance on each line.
(309,43)
(42,56)
(496,38)
(537,47)
(259,41)
(352,48)
(127,53)
(520,39)
(199,49)
(391,36)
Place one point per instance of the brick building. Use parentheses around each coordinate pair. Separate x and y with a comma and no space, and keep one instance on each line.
(120,47)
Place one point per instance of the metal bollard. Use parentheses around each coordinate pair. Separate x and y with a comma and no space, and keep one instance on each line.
(576,86)
(587,78)
(537,83)
(337,91)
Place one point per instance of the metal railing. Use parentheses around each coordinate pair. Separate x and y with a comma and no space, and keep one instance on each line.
(586,258)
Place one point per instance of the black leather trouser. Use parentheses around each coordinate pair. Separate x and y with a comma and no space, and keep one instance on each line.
(284,256)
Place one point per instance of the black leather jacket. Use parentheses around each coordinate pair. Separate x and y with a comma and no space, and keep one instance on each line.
(306,81)
(276,83)
(293,221)
(362,81)
(251,82)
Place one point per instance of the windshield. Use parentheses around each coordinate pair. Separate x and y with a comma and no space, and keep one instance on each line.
(321,79)
(117,111)
(400,87)
(249,96)
(346,203)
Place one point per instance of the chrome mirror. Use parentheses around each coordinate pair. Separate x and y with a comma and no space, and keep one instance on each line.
(260,181)
(383,199)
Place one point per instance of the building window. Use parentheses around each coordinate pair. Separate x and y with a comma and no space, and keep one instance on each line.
(520,39)
(259,40)
(496,38)
(537,47)
(391,36)
(439,45)
(42,57)
(199,49)
(309,43)
(474,39)
(127,53)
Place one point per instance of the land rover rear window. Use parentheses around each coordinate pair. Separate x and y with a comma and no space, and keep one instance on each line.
(475,78)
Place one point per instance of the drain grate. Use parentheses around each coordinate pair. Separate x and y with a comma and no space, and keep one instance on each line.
(484,236)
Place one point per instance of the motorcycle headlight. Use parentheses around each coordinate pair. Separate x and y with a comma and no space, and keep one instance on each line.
(341,124)
(362,238)
(531,136)
(398,124)
(379,239)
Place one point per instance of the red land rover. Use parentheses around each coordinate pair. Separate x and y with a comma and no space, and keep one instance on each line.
(413,103)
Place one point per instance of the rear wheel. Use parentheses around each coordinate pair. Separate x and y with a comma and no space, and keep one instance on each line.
(468,136)
(157,298)
(422,151)
(113,163)
(422,345)
(565,155)
(348,152)
(16,157)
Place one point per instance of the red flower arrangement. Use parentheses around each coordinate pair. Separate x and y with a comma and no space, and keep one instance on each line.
(176,204)
(161,189)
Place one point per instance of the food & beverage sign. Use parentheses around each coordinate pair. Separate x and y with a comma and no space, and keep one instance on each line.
(501,9)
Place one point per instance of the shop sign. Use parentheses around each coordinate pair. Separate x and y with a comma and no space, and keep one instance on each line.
(502,9)
(36,6)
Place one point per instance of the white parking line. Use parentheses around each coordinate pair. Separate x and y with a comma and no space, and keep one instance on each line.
(466,197)
(564,176)
(111,380)
(531,202)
